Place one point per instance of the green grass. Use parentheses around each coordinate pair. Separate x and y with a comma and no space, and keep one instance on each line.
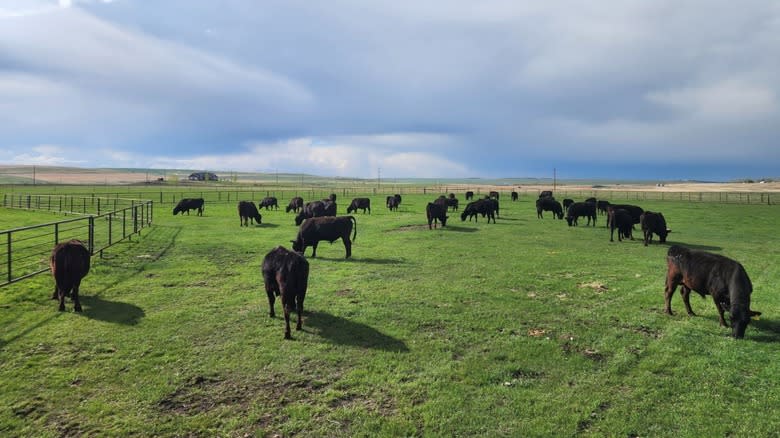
(522,328)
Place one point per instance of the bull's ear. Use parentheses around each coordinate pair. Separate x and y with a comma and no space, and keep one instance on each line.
(668,230)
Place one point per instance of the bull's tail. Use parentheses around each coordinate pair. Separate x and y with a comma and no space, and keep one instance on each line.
(354,230)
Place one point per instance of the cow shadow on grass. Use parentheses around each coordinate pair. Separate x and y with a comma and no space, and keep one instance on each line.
(111,311)
(368,260)
(266,225)
(769,330)
(342,331)
(458,229)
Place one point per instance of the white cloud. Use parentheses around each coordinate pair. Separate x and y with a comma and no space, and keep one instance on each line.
(346,156)
(46,154)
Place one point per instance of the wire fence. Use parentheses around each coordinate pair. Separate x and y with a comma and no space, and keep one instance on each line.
(25,251)
(97,202)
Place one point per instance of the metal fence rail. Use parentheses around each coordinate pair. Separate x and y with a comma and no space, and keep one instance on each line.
(99,202)
(70,204)
(25,251)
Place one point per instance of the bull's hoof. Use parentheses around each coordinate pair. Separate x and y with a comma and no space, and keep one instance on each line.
(272,315)
(77,309)
(691,313)
(287,335)
(62,308)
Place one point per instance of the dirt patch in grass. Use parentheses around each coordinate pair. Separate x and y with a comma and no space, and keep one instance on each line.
(595,285)
(345,293)
(201,394)
(584,425)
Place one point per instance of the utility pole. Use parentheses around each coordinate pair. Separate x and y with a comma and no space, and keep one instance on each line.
(33,175)
(554,179)
(378,177)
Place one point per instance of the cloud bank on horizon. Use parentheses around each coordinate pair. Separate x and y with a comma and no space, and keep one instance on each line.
(652,90)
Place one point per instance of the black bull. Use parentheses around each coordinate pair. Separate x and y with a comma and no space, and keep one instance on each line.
(327,228)
(710,274)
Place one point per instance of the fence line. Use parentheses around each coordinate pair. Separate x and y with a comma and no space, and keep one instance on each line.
(25,250)
(96,203)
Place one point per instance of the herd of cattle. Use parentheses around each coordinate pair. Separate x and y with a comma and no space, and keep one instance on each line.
(285,272)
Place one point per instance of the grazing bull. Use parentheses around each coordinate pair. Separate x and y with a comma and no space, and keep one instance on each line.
(493,195)
(361,203)
(247,211)
(601,206)
(436,212)
(469,195)
(710,274)
(567,202)
(316,209)
(485,207)
(286,275)
(632,210)
(453,203)
(653,223)
(578,209)
(621,220)
(548,204)
(69,263)
(187,204)
(295,204)
(328,228)
(269,202)
(393,202)
(514,196)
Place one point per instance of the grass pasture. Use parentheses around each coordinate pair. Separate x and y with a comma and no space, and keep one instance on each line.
(526,327)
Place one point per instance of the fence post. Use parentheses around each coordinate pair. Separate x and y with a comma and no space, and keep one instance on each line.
(91,235)
(9,256)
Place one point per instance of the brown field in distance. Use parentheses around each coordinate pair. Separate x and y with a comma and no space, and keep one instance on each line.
(71,175)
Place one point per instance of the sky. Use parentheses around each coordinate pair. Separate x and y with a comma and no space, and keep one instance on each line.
(661,89)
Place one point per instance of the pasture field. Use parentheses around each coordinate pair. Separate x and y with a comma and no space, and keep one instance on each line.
(526,327)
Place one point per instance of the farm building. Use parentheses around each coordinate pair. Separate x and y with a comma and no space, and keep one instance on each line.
(203,176)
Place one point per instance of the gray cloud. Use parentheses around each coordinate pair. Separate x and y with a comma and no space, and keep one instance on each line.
(419,88)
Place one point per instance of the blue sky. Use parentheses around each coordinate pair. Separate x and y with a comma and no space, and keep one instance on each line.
(594,89)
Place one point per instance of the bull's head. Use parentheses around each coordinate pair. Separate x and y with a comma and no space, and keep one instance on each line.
(739,322)
(297,245)
(570,220)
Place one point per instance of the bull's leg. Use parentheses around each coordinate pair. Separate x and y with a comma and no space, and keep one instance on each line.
(286,304)
(271,299)
(299,325)
(55,295)
(61,296)
(287,334)
(671,286)
(685,291)
(75,297)
(348,246)
(313,249)
(721,308)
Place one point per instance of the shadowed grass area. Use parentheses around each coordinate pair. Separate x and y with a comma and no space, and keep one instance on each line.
(526,327)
